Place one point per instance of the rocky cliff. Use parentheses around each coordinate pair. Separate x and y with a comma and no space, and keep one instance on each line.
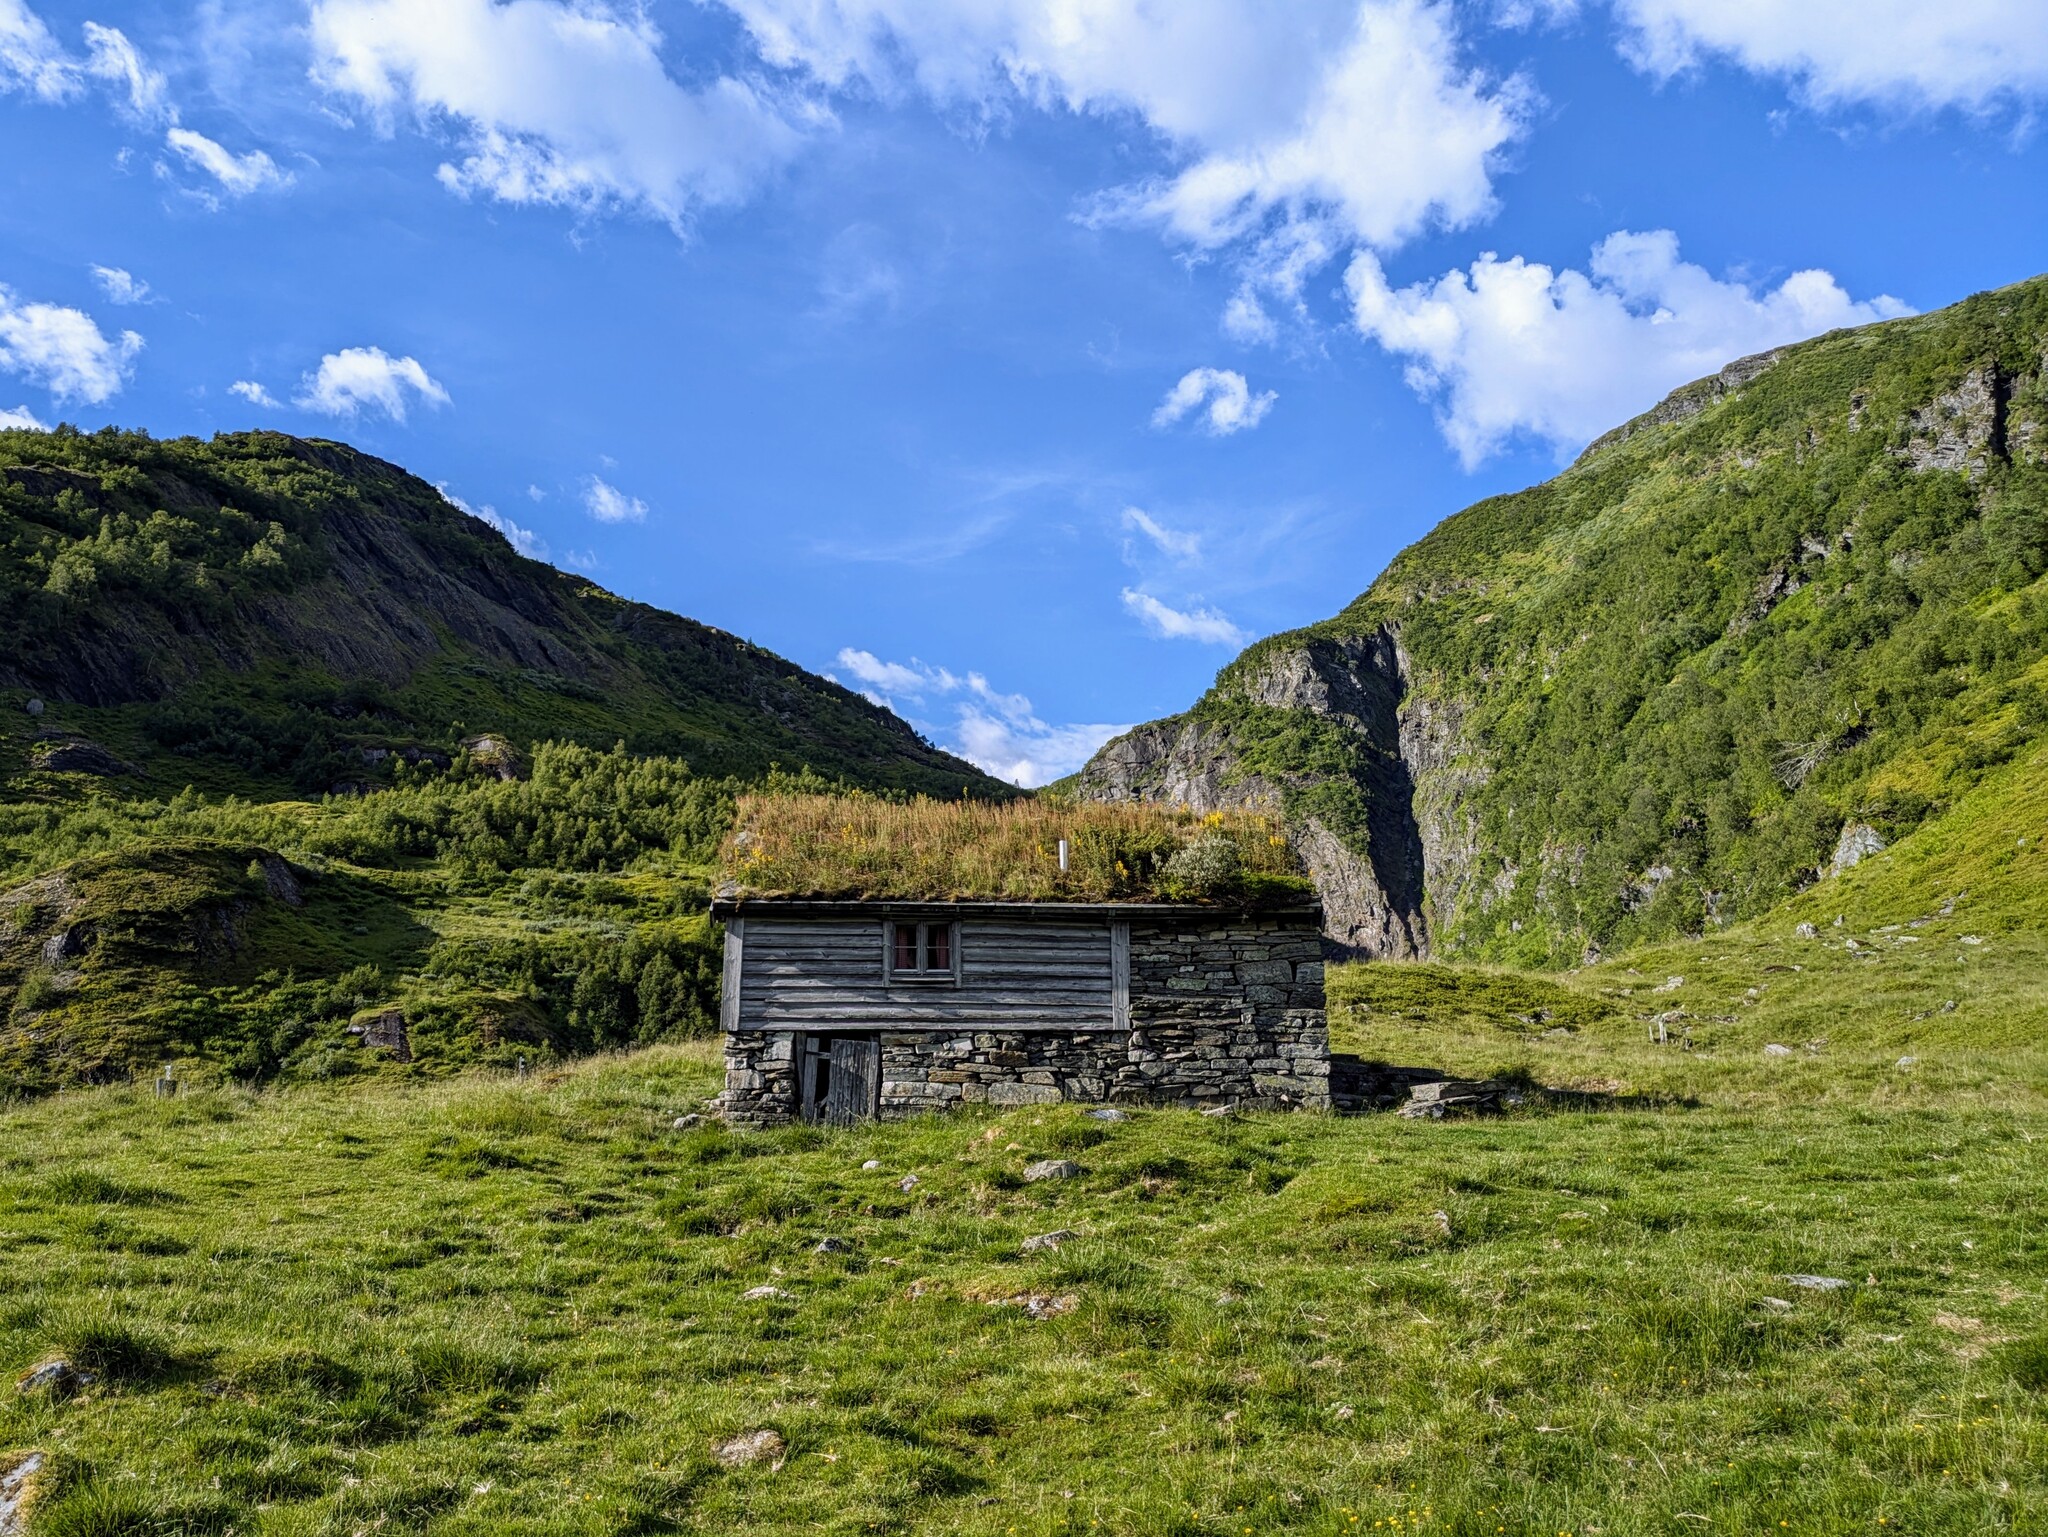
(1801,595)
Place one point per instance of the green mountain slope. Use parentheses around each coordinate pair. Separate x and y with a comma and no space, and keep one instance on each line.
(217,635)
(282,613)
(1789,616)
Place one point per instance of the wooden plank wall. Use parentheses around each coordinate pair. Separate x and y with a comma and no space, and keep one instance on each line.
(827,975)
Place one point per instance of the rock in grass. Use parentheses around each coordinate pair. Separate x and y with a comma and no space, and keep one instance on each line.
(908,1183)
(1777,1304)
(14,1492)
(1818,1283)
(1054,1168)
(1044,1241)
(1106,1113)
(830,1245)
(685,1122)
(1775,1050)
(1218,1112)
(58,1378)
(1806,931)
(1040,1305)
(1907,1061)
(754,1446)
(872,1163)
(767,1294)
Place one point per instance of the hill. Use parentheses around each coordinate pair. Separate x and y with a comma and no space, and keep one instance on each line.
(269,612)
(1779,622)
(323,778)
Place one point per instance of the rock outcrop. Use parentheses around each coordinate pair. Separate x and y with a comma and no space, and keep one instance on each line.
(1377,881)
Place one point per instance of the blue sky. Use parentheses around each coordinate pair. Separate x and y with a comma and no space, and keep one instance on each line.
(1015,360)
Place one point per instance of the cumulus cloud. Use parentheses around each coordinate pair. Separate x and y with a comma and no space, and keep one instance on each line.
(20,419)
(608,504)
(998,733)
(557,103)
(1169,541)
(1512,348)
(1362,108)
(122,286)
(1971,54)
(1222,396)
(524,540)
(63,350)
(1202,624)
(238,175)
(359,378)
(31,59)
(257,395)
(112,59)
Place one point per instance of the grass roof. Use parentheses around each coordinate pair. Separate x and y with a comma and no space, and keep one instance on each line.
(856,847)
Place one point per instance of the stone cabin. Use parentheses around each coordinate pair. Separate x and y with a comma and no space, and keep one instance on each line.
(845,1010)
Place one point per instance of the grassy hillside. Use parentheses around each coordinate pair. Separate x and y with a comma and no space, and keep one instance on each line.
(1647,697)
(496,1303)
(275,613)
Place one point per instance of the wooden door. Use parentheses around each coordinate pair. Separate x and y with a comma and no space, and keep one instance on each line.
(854,1090)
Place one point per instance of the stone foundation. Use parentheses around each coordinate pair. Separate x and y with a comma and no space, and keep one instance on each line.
(1228,1012)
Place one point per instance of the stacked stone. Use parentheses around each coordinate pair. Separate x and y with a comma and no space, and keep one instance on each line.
(760,1078)
(1229,1012)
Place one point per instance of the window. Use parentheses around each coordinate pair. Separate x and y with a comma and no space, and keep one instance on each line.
(922,952)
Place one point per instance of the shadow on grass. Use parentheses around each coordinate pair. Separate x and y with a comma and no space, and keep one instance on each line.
(1363,1086)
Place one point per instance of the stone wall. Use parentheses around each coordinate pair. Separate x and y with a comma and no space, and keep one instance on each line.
(1227,1012)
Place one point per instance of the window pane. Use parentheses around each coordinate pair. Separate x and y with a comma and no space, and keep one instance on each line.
(906,947)
(938,948)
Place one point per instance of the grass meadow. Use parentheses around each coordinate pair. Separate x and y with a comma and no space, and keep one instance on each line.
(496,1305)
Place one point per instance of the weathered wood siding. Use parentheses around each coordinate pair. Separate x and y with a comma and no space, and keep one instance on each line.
(812,974)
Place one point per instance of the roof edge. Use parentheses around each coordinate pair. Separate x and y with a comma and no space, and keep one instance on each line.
(893,907)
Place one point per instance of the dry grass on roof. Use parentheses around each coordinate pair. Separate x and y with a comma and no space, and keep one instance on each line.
(926,850)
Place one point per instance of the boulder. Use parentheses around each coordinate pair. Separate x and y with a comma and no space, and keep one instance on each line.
(1458,1097)
(16,1485)
(1858,842)
(1053,1168)
(58,1378)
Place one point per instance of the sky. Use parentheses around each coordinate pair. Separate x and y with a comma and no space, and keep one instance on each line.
(1013,361)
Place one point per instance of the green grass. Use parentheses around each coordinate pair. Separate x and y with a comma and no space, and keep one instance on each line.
(503,1305)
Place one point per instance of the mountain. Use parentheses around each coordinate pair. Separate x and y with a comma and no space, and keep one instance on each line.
(268,611)
(305,772)
(1770,627)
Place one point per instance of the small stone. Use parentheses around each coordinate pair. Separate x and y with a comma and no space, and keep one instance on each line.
(1039,1305)
(908,1183)
(754,1446)
(59,1378)
(1806,931)
(1907,1061)
(767,1294)
(1054,1168)
(1948,1006)
(15,1488)
(1218,1112)
(1106,1114)
(35,708)
(1818,1283)
(1775,1050)
(872,1164)
(1044,1241)
(1669,985)
(685,1122)
(831,1245)
(1777,1304)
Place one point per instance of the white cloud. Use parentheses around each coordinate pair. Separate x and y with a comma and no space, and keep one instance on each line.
(122,286)
(20,419)
(558,103)
(608,504)
(30,58)
(1512,348)
(238,175)
(998,733)
(111,58)
(1202,624)
(1362,108)
(358,377)
(1170,541)
(1224,398)
(63,350)
(1971,54)
(524,540)
(535,494)
(257,395)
